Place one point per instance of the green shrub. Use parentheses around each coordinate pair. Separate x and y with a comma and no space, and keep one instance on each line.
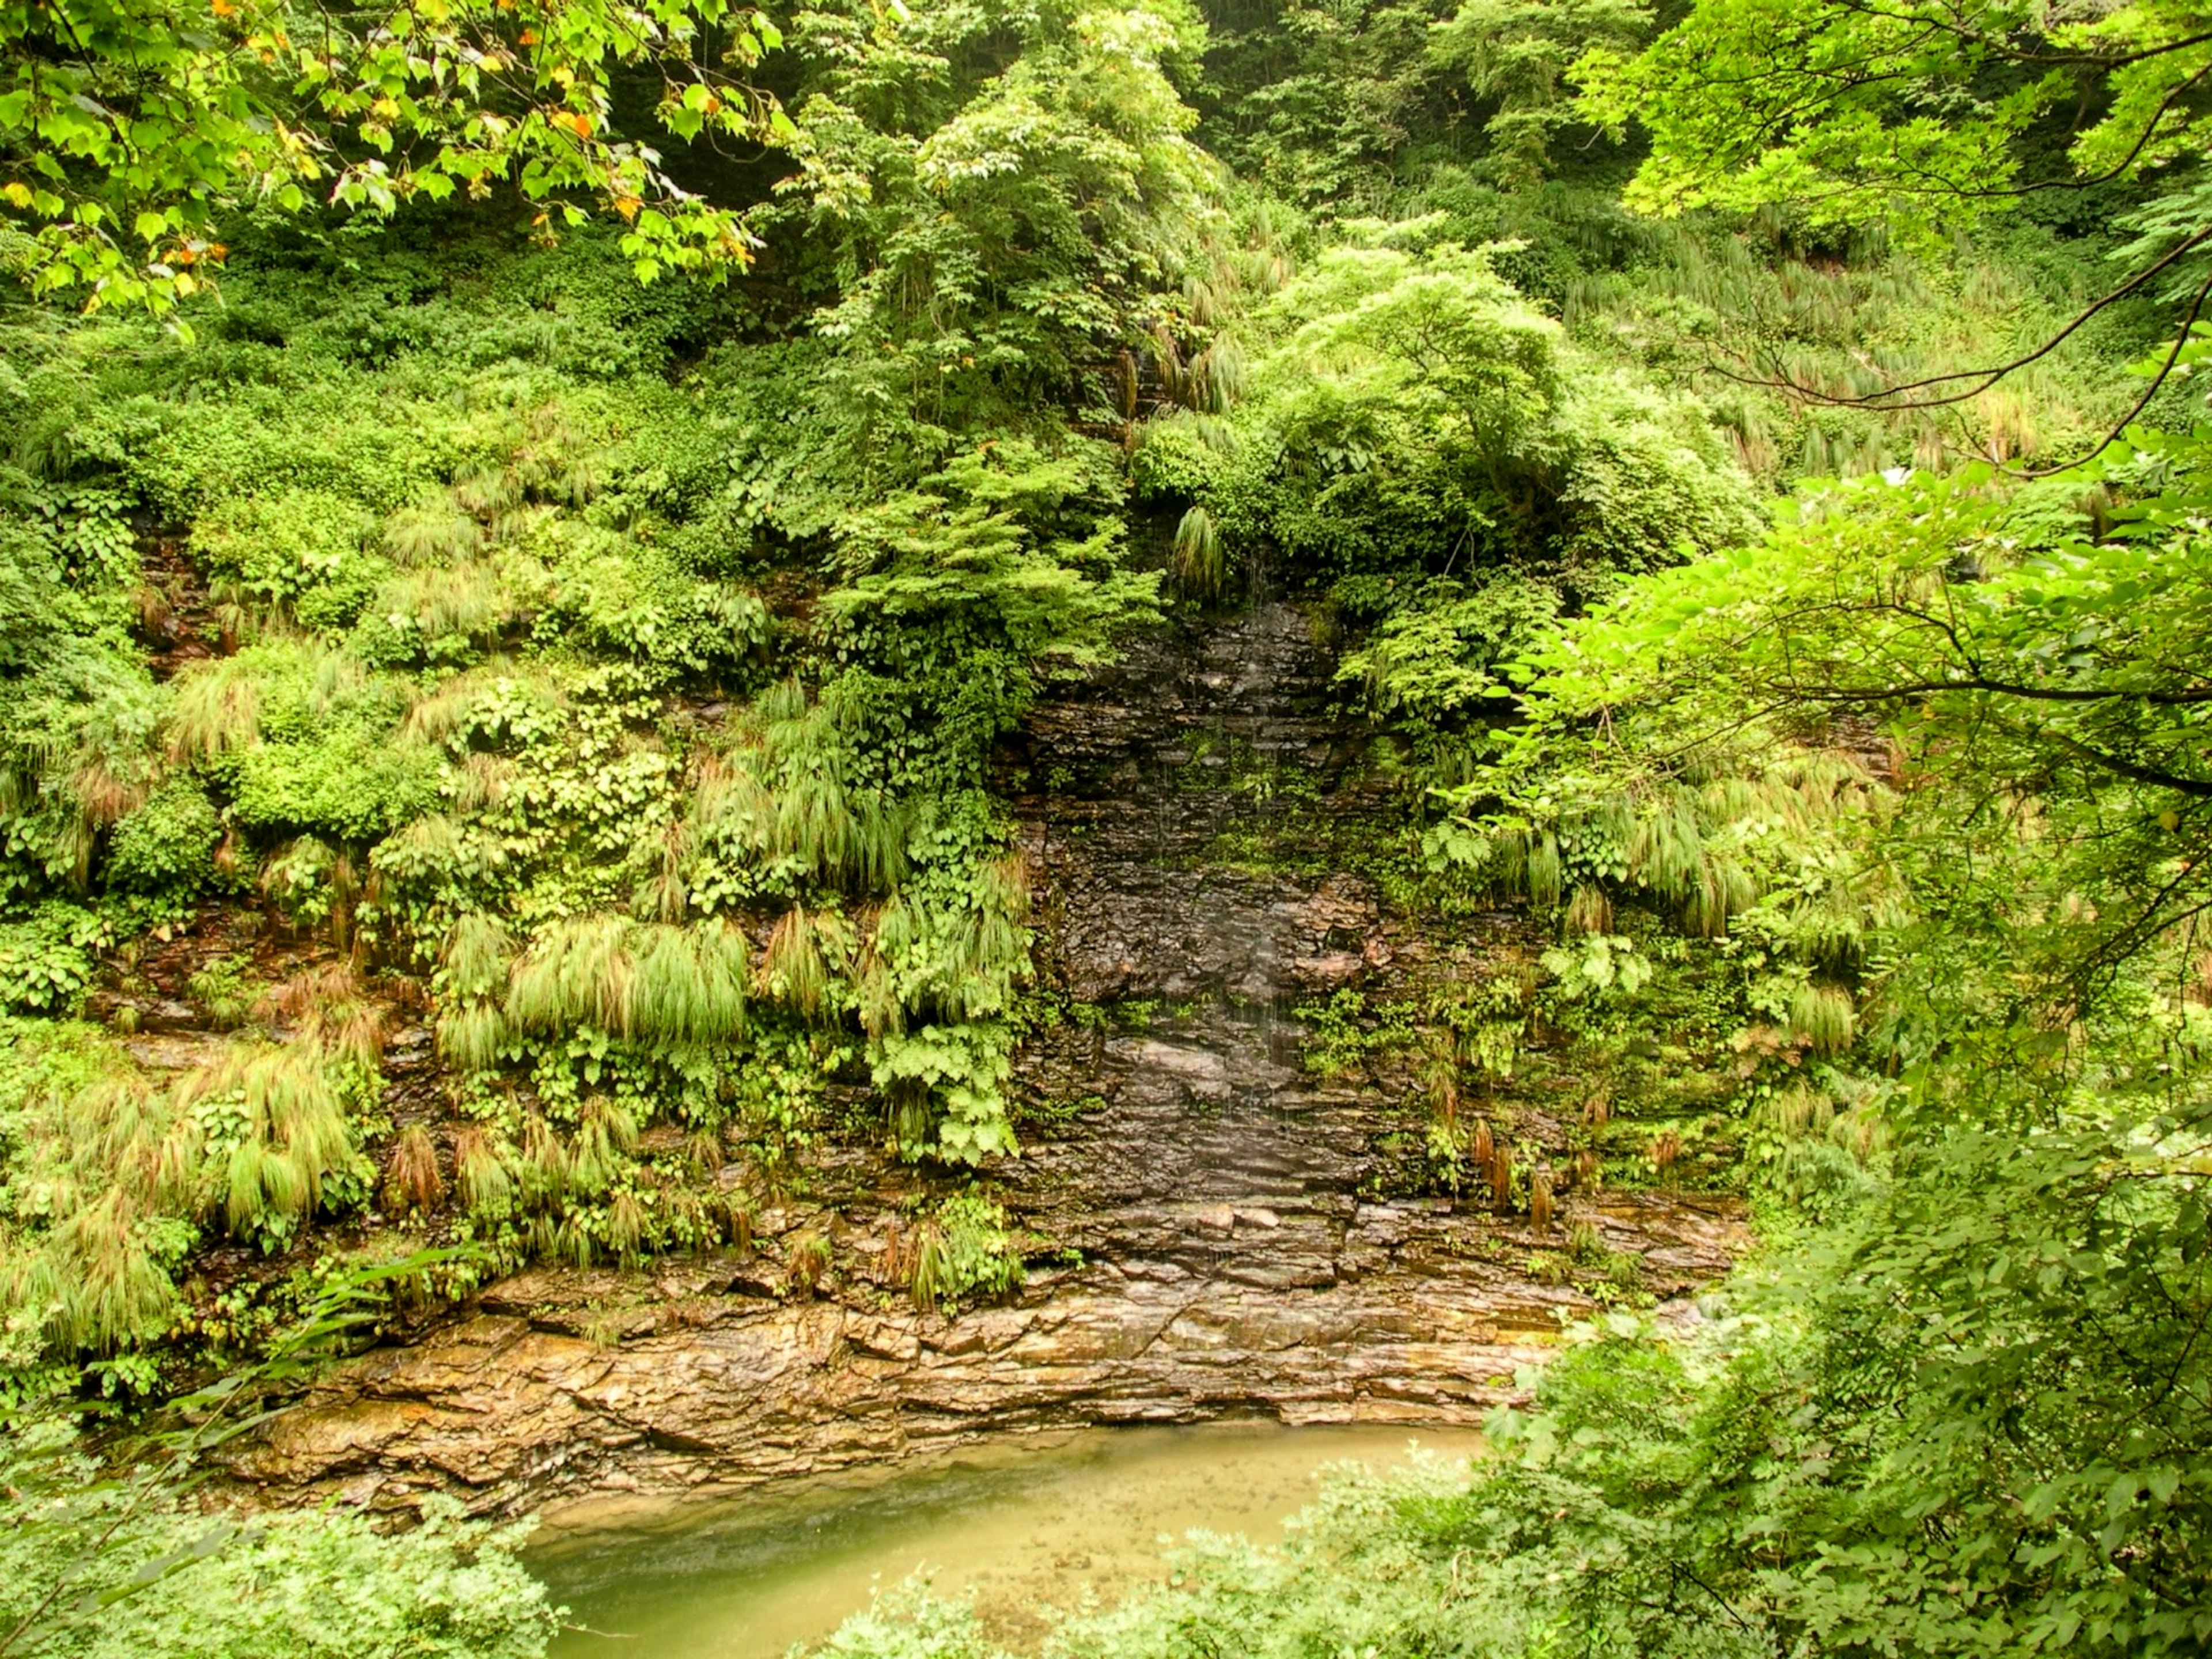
(304,549)
(963,1252)
(167,845)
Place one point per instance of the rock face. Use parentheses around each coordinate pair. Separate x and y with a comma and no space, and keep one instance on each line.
(1218,1229)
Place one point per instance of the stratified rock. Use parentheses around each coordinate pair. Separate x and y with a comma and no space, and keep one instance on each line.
(1214,1226)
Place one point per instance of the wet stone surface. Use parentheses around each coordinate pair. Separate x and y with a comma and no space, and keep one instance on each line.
(1218,1229)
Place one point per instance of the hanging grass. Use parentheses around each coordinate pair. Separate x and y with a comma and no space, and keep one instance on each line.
(1823,1018)
(541,1171)
(96,1279)
(931,1281)
(855,842)
(600,1151)
(1542,872)
(572,1242)
(457,704)
(293,1129)
(481,1175)
(352,1030)
(688,984)
(792,969)
(464,601)
(472,1037)
(876,995)
(806,1261)
(734,1214)
(628,1228)
(326,1006)
(1725,890)
(613,1120)
(262,1183)
(665,895)
(1590,911)
(303,993)
(217,710)
(703,1155)
(432,531)
(576,973)
(1667,850)
(1198,557)
(411,1180)
(109,1131)
(486,488)
(731,802)
(475,954)
(653,981)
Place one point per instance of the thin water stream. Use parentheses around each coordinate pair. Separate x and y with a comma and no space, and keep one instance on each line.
(1018,1529)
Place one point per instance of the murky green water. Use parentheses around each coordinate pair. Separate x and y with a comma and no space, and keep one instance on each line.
(1019,1528)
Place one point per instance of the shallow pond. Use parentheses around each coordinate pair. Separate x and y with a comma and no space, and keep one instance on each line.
(1019,1527)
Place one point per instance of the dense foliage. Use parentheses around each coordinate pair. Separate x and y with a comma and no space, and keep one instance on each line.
(535,516)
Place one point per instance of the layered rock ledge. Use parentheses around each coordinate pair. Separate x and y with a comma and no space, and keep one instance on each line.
(1216,1228)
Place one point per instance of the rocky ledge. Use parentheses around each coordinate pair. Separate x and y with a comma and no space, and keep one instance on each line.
(1215,1227)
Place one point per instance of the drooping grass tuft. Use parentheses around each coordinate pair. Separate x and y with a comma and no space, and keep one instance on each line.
(301,994)
(1199,558)
(473,1035)
(1822,1017)
(612,1120)
(852,841)
(541,1172)
(1667,852)
(292,1129)
(411,1180)
(1724,890)
(628,1227)
(475,954)
(1590,911)
(263,1182)
(481,1175)
(734,1214)
(465,601)
(689,984)
(806,1261)
(792,969)
(216,711)
(101,1281)
(1542,872)
(1796,1111)
(1501,1174)
(433,531)
(703,1154)
(930,1280)
(576,973)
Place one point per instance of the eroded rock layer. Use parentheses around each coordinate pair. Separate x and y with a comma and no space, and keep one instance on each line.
(1215,1227)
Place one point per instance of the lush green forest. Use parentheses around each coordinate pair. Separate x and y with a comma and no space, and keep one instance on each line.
(539,516)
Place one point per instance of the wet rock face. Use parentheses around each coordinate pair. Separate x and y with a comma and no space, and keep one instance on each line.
(1150,787)
(1218,1229)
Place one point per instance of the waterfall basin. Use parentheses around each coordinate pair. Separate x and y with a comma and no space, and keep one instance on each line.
(1018,1528)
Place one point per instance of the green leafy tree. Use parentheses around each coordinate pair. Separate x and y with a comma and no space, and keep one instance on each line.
(1518,57)
(132,130)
